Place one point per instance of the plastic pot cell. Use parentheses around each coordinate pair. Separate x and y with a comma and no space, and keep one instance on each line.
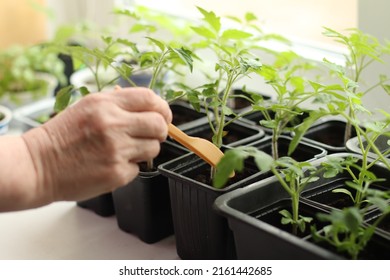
(200,232)
(143,206)
(257,236)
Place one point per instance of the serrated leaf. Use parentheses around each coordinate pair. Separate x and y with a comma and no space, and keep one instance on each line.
(185,56)
(211,19)
(234,34)
(334,67)
(158,43)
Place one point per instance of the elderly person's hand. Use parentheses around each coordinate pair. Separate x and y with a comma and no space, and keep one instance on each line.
(88,149)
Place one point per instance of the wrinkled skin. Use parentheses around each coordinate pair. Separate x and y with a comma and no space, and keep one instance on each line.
(89,149)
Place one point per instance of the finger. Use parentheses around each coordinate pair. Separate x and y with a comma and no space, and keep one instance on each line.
(141,149)
(139,99)
(147,125)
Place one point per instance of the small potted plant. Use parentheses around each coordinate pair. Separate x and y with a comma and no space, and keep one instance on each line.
(28,74)
(329,128)
(199,232)
(264,213)
(343,188)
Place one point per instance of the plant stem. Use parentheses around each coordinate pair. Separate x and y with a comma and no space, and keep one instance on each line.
(156,72)
(295,211)
(221,121)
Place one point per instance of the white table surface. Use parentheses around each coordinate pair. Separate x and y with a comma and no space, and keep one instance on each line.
(64,230)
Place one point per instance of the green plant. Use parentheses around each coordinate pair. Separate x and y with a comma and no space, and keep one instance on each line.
(293,177)
(99,59)
(232,60)
(363,50)
(287,78)
(345,98)
(362,177)
(159,62)
(19,66)
(347,231)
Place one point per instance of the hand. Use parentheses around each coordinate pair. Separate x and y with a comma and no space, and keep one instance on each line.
(94,146)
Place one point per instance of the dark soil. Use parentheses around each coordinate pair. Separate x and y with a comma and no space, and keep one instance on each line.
(202,173)
(271,215)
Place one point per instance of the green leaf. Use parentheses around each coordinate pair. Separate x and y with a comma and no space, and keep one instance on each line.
(185,56)
(227,111)
(84,91)
(301,225)
(286,217)
(108,40)
(250,17)
(353,219)
(204,32)
(232,160)
(306,219)
(386,87)
(334,67)
(125,12)
(139,27)
(158,43)
(263,160)
(333,33)
(285,213)
(234,34)
(127,43)
(309,180)
(344,191)
(211,19)
(381,203)
(63,98)
(268,124)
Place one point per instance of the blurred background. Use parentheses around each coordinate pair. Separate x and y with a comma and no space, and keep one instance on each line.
(27,22)
(31,21)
